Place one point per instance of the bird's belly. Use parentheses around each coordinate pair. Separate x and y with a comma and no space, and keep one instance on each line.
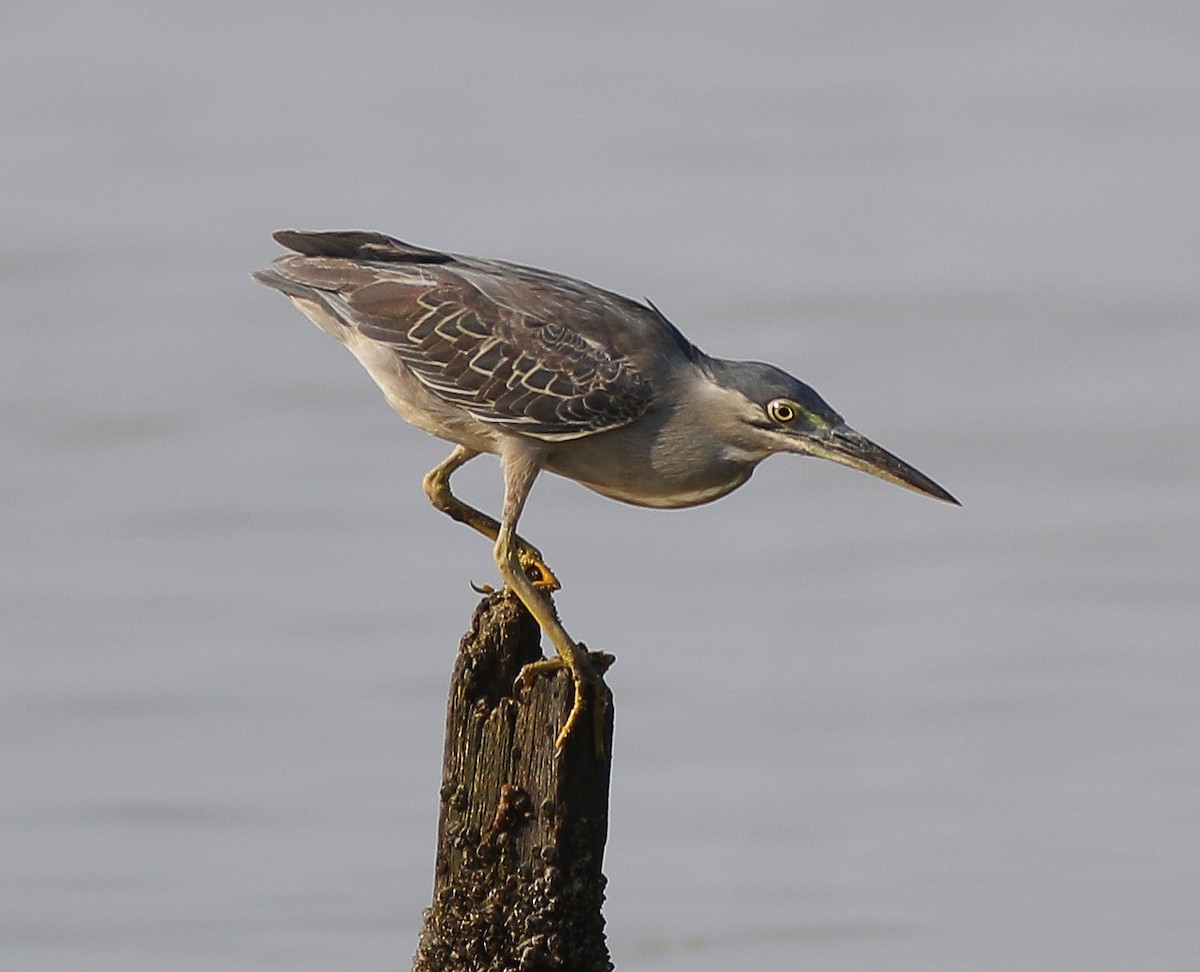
(673,499)
(622,469)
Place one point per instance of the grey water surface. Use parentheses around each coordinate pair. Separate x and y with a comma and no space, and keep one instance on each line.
(856,729)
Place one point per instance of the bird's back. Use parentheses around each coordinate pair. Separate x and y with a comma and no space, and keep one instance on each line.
(346,262)
(519,348)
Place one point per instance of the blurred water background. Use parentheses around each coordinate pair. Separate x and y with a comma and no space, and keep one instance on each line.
(856,729)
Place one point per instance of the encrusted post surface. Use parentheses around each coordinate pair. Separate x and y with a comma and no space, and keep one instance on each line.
(518,884)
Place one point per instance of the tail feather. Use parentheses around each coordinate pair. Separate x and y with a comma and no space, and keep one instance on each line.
(285,285)
(357,245)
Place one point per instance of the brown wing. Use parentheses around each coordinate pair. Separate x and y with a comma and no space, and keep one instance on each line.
(519,353)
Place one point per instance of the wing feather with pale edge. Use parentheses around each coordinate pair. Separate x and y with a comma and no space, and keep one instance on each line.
(509,347)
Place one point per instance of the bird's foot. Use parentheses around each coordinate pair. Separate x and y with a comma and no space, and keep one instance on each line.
(535,567)
(587,682)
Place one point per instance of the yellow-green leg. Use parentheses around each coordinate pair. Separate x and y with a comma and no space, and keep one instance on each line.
(437,488)
(519,474)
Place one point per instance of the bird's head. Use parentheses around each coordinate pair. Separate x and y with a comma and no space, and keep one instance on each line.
(765,410)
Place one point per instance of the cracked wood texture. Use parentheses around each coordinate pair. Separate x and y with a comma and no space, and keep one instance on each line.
(518,884)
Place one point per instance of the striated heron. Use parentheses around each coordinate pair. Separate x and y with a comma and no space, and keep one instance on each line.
(548,372)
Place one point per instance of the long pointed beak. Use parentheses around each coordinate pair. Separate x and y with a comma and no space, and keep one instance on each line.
(843,445)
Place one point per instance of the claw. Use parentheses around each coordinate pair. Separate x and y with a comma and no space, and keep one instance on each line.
(529,673)
(583,680)
(542,576)
(599,709)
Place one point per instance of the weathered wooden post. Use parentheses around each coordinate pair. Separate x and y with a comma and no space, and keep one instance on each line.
(518,884)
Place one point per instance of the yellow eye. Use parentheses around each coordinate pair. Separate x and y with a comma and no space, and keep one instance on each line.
(783,411)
